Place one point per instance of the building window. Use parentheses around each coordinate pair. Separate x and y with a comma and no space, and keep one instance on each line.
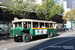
(43,0)
(3,0)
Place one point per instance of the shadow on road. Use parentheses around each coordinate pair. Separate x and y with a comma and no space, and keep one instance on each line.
(38,45)
(42,37)
(39,38)
(48,43)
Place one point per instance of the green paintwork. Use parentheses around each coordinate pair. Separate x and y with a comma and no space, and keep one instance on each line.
(51,30)
(18,31)
(18,27)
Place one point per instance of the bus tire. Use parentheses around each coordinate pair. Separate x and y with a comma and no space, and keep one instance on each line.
(26,37)
(50,35)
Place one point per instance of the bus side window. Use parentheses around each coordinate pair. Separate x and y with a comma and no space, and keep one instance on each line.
(42,25)
(46,25)
(51,24)
(29,25)
(15,25)
(35,24)
(25,25)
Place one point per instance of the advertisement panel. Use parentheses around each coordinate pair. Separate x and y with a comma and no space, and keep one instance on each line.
(40,31)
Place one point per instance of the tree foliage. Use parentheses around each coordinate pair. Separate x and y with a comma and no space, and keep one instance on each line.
(20,7)
(70,15)
(52,8)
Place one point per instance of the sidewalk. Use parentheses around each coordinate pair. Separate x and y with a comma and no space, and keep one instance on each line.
(5,40)
(61,34)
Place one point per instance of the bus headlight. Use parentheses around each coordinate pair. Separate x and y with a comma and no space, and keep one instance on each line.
(16,35)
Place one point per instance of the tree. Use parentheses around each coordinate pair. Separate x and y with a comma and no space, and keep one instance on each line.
(52,8)
(70,15)
(20,7)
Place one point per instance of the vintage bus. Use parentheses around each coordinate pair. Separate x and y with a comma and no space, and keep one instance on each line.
(26,29)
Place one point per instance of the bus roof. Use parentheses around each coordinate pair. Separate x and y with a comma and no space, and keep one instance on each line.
(31,20)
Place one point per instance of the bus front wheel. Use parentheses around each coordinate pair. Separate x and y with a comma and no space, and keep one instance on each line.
(26,37)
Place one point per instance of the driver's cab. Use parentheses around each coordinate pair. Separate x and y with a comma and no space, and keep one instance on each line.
(22,25)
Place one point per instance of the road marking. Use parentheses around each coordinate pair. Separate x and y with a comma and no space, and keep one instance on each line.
(57,43)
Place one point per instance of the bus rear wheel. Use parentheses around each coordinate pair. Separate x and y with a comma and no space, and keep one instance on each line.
(26,37)
(50,35)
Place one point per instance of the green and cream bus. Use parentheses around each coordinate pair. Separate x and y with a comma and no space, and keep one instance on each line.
(26,29)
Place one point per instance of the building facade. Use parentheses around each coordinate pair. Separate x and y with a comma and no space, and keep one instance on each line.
(70,4)
(73,4)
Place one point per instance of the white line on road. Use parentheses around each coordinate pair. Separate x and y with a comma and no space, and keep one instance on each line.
(57,43)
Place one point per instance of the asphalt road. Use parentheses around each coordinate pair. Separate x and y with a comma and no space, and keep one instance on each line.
(43,43)
(68,45)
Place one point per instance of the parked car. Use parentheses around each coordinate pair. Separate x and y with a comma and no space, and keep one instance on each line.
(61,30)
(3,33)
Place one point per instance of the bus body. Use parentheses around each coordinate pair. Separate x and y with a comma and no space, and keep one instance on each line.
(25,34)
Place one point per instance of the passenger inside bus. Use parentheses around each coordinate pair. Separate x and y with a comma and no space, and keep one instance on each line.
(51,25)
(25,25)
(35,25)
(38,27)
(43,26)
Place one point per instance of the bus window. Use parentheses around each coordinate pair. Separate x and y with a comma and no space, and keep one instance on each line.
(15,25)
(28,24)
(35,24)
(46,24)
(18,24)
(51,24)
(25,26)
(42,25)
